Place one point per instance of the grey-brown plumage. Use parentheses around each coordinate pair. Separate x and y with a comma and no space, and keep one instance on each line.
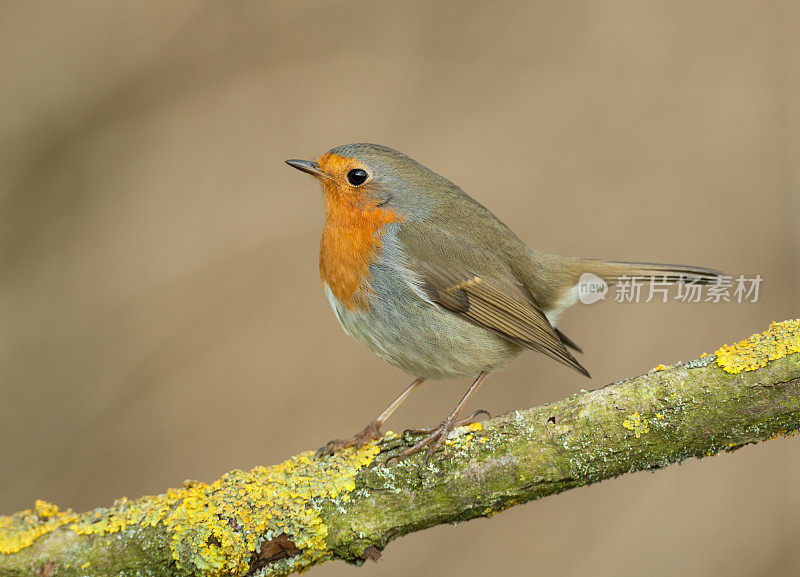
(450,290)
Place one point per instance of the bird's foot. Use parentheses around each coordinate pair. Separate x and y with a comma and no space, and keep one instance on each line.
(436,436)
(370,433)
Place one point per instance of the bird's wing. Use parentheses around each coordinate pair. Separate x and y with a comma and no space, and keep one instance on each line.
(499,305)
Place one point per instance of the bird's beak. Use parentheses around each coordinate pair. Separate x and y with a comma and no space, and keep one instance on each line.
(308,166)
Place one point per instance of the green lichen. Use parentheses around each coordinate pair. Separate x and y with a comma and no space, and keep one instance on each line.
(782,433)
(340,506)
(780,340)
(214,529)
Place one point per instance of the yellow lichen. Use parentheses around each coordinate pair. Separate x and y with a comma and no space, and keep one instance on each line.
(780,340)
(660,368)
(461,437)
(215,528)
(21,529)
(783,433)
(637,424)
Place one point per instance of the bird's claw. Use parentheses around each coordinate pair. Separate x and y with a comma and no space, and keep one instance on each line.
(436,436)
(370,433)
(471,419)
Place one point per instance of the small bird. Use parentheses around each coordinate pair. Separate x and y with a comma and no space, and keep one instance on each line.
(432,282)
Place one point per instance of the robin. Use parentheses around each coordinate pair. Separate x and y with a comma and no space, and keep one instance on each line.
(432,282)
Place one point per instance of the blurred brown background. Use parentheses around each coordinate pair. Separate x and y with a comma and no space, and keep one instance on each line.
(160,305)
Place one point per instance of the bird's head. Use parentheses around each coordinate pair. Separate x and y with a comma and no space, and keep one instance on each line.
(369,190)
(368,177)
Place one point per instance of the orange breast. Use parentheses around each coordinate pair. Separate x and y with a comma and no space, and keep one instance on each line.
(350,242)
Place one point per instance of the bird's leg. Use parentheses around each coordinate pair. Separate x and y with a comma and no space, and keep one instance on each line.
(436,436)
(371,431)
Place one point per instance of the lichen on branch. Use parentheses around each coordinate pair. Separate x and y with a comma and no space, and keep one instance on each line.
(350,505)
(215,529)
(780,340)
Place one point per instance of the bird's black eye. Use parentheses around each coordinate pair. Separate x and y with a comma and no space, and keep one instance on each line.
(357,176)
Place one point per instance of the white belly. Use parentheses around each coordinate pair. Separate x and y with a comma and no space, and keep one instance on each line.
(420,337)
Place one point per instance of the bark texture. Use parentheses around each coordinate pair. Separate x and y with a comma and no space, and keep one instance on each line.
(275,520)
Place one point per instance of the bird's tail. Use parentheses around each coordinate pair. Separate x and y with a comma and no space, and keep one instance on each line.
(612,271)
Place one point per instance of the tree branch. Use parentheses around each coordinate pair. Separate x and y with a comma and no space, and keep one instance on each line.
(275,520)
